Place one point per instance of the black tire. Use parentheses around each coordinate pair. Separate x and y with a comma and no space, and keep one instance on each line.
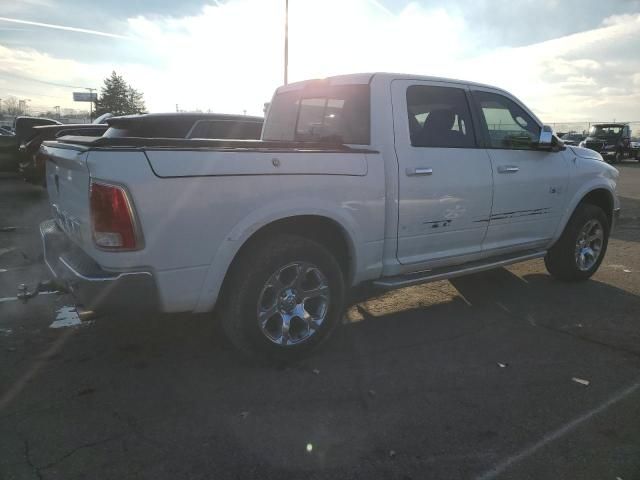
(618,157)
(561,259)
(245,285)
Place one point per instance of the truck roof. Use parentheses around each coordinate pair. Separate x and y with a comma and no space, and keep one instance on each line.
(364,78)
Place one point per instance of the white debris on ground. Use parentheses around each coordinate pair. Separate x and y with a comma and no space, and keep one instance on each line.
(2,270)
(581,381)
(66,316)
(6,331)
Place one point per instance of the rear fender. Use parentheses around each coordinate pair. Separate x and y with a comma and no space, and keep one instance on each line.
(255,221)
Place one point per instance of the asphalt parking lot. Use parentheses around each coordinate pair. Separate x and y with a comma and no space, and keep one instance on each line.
(508,374)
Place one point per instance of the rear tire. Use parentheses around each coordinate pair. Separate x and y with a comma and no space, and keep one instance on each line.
(581,248)
(283,298)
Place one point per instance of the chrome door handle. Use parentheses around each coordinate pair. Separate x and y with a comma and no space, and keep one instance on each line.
(507,169)
(412,172)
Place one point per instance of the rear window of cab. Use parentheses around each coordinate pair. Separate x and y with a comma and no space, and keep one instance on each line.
(325,114)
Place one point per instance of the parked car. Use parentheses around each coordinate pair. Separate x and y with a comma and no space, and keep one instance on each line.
(167,125)
(611,140)
(386,179)
(31,162)
(22,131)
(185,125)
(4,130)
(8,148)
(572,138)
(635,147)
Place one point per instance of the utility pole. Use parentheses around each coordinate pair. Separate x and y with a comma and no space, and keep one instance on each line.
(91,90)
(286,41)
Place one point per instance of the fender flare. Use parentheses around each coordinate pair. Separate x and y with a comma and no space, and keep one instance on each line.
(579,196)
(249,225)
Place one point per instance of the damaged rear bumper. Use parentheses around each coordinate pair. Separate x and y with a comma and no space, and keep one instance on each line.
(95,288)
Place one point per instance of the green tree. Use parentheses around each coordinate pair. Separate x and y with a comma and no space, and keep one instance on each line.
(119,98)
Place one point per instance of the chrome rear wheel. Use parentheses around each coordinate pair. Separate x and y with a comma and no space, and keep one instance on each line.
(293,303)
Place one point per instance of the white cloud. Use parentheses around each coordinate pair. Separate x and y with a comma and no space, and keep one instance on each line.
(228,57)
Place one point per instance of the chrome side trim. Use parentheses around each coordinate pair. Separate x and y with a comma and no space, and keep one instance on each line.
(408,280)
(44,246)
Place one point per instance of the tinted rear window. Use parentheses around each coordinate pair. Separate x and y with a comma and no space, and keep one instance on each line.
(151,129)
(332,114)
(227,129)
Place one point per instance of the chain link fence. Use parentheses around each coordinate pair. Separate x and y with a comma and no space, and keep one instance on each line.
(583,127)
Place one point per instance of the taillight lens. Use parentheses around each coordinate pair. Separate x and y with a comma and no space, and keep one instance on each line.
(112,220)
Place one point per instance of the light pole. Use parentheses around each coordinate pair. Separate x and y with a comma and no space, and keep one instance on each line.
(286,41)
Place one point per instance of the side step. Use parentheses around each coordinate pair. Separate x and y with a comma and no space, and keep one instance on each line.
(389,283)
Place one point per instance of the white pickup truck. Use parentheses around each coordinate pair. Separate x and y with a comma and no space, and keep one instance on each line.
(382,178)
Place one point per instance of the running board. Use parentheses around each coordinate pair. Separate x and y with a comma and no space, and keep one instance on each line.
(437,274)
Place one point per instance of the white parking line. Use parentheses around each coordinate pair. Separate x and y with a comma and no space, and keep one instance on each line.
(556,434)
(13,299)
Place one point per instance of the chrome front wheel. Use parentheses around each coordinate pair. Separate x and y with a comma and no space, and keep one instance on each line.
(589,245)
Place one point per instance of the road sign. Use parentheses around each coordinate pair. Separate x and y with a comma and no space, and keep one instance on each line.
(85,96)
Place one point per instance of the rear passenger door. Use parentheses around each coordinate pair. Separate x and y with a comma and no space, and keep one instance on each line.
(444,179)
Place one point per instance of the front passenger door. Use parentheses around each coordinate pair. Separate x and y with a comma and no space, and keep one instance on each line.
(529,185)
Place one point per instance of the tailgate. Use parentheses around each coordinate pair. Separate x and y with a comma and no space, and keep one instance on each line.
(68,188)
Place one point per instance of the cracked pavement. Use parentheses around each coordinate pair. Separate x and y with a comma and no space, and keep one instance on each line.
(471,378)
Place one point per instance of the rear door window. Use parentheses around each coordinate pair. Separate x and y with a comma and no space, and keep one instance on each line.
(439,117)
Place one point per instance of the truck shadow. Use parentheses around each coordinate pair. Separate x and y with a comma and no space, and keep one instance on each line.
(444,373)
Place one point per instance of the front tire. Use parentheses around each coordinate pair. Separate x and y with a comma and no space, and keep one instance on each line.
(580,250)
(283,298)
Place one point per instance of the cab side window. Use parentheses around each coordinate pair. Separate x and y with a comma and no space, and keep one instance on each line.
(439,117)
(507,124)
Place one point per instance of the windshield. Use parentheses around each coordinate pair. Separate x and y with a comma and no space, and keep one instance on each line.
(605,130)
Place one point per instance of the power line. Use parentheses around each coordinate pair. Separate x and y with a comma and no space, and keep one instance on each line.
(37,80)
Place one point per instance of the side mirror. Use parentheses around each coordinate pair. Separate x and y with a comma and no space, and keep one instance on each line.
(546,136)
(549,141)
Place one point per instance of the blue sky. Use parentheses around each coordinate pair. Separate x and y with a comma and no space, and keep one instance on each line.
(569,60)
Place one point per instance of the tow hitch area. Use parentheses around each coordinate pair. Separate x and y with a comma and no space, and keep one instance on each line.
(49,286)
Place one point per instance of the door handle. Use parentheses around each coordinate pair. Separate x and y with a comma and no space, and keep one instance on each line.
(412,172)
(507,169)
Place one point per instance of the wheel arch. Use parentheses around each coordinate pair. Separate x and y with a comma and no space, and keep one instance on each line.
(599,194)
(338,235)
(602,198)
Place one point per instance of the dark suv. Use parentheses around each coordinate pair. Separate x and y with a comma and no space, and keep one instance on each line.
(611,140)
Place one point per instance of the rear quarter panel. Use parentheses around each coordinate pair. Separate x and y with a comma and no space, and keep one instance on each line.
(197,208)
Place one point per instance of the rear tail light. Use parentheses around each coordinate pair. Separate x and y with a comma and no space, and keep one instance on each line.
(112,218)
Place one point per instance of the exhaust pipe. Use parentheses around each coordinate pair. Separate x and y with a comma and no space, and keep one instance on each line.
(85,315)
